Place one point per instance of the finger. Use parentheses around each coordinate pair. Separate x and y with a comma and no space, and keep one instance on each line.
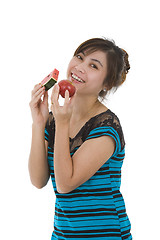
(72,99)
(66,97)
(36,88)
(45,99)
(55,95)
(38,92)
(37,97)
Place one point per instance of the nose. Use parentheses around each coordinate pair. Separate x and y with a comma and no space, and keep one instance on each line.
(80,68)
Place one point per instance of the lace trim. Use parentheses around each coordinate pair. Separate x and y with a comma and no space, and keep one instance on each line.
(107,118)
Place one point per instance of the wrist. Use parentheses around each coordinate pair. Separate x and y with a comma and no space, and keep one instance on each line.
(62,127)
(38,126)
(62,122)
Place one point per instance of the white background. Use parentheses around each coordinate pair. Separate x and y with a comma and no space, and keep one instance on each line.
(38,36)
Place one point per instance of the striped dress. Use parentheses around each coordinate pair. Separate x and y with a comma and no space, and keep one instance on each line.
(96,209)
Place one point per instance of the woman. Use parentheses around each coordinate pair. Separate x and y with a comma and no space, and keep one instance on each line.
(84,145)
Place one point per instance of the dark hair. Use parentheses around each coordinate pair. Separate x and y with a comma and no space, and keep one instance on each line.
(117,61)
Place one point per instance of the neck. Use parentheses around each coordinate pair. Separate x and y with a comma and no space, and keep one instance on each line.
(84,107)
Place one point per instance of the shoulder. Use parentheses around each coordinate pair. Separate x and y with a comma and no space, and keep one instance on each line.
(106,118)
(106,123)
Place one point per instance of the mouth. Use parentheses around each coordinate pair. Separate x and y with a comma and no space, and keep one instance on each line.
(76,78)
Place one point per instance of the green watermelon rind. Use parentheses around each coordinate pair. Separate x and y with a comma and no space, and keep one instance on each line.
(50,83)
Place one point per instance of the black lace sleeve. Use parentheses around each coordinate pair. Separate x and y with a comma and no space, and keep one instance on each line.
(107,124)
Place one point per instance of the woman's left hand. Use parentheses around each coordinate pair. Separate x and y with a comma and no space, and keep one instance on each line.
(61,113)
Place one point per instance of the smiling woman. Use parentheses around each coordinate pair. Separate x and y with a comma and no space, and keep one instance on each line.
(81,146)
(87,72)
(117,61)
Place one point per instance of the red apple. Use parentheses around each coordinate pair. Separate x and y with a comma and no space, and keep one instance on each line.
(66,85)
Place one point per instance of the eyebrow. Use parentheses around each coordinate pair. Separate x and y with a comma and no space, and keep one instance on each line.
(96,60)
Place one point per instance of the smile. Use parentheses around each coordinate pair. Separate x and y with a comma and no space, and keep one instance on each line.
(77,78)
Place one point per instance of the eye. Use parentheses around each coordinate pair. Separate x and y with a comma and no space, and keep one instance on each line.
(94,66)
(79,56)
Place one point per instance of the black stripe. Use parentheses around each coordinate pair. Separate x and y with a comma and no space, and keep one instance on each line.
(115,176)
(123,215)
(125,232)
(121,211)
(115,172)
(91,231)
(100,173)
(86,215)
(117,159)
(71,195)
(93,190)
(50,154)
(118,196)
(86,210)
(126,237)
(90,236)
(105,168)
(121,155)
(82,195)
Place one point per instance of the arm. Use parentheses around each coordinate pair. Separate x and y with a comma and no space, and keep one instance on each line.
(38,165)
(63,165)
(70,173)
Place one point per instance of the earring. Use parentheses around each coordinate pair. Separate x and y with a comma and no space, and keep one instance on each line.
(104,90)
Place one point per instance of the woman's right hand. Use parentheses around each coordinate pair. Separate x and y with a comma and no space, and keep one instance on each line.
(39,107)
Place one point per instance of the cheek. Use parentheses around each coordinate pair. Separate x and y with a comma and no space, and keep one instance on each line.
(70,66)
(98,78)
(103,77)
(68,69)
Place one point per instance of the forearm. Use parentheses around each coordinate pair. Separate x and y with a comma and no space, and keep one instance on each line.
(63,166)
(38,165)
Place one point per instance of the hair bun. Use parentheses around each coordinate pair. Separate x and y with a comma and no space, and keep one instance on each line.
(126,66)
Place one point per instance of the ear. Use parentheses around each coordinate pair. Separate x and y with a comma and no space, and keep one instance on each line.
(104,89)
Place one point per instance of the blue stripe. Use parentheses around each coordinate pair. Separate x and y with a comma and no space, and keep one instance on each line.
(46,134)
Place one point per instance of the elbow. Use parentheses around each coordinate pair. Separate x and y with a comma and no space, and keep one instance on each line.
(38,184)
(39,181)
(64,189)
(60,190)
(65,186)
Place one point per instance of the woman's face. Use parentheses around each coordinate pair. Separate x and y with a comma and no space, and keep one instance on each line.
(87,72)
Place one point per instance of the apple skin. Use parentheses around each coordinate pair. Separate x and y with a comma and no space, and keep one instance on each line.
(66,85)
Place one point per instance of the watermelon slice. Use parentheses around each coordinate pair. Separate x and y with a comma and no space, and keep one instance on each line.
(50,80)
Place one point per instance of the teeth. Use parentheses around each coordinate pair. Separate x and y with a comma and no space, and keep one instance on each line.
(77,78)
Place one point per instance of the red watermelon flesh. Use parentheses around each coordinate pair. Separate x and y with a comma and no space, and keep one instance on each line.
(50,80)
